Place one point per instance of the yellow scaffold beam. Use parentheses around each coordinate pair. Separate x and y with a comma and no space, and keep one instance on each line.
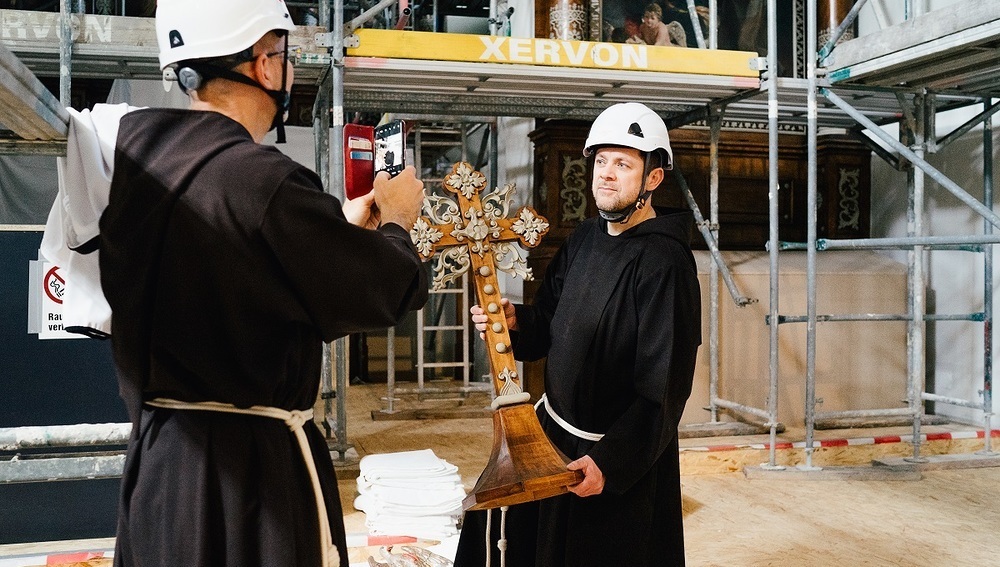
(393,44)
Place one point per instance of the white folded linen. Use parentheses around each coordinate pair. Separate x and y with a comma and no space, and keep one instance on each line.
(427,483)
(406,464)
(417,497)
(412,493)
(435,528)
(371,505)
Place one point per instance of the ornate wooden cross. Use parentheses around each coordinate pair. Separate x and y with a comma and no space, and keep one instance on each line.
(476,233)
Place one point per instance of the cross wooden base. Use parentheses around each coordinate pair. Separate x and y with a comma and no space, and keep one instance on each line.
(524,465)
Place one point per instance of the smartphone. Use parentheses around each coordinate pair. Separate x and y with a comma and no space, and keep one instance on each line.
(359,160)
(390,143)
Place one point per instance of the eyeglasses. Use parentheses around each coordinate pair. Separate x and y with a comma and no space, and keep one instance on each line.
(294,53)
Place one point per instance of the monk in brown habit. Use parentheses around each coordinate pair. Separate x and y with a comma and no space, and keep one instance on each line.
(227,266)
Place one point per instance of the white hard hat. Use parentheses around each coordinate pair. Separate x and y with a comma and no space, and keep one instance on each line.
(630,125)
(202,29)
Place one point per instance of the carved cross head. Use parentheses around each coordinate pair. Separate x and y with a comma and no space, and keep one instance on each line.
(475,224)
(475,232)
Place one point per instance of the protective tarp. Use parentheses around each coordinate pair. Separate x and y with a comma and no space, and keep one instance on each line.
(28,184)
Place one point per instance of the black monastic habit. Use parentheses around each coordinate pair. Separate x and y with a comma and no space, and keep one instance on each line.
(226,267)
(619,318)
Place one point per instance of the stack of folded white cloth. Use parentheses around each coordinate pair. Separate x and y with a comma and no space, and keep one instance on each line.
(412,493)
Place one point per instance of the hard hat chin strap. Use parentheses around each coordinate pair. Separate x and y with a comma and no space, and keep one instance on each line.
(192,76)
(622,215)
(285,99)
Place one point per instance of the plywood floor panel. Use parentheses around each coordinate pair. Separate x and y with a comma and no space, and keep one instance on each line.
(948,518)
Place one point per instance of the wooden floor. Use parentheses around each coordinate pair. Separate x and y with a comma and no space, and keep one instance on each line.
(947,518)
(793,518)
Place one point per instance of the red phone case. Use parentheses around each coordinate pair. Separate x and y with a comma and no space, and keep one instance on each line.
(359,160)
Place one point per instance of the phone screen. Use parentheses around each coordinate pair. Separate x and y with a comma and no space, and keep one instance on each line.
(389,147)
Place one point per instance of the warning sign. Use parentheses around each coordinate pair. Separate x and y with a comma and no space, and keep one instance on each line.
(46,290)
(55,285)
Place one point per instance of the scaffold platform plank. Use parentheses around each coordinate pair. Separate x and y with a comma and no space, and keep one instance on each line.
(951,49)
(111,47)
(722,429)
(460,412)
(26,107)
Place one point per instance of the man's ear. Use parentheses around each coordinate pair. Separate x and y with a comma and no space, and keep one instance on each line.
(654,179)
(269,76)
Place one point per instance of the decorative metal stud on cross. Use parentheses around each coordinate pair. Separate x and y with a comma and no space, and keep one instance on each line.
(476,233)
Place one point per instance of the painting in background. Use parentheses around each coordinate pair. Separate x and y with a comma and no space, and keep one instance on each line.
(742,24)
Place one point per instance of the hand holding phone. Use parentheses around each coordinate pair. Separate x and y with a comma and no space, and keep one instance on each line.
(362,211)
(399,199)
(368,151)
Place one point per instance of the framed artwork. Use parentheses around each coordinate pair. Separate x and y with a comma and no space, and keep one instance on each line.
(742,24)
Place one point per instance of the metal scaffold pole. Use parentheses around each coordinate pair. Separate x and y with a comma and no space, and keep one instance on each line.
(342,367)
(987,284)
(713,24)
(773,221)
(329,128)
(696,24)
(811,133)
(321,133)
(715,124)
(916,326)
(65,52)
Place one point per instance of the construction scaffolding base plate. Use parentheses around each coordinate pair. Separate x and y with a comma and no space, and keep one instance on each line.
(346,465)
(432,413)
(942,462)
(831,473)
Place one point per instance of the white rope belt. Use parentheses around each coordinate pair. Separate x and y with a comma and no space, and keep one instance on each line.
(294,419)
(565,424)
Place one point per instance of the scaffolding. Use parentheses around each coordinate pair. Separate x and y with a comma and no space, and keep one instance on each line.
(862,95)
(953,66)
(927,57)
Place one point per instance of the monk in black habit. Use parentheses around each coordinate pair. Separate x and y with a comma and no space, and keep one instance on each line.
(227,266)
(619,317)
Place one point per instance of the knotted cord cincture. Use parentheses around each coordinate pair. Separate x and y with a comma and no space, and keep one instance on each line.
(294,419)
(502,542)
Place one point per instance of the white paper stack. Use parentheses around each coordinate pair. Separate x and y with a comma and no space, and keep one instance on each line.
(411,493)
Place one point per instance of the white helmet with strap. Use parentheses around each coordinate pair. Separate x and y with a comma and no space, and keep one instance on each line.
(204,29)
(194,36)
(630,125)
